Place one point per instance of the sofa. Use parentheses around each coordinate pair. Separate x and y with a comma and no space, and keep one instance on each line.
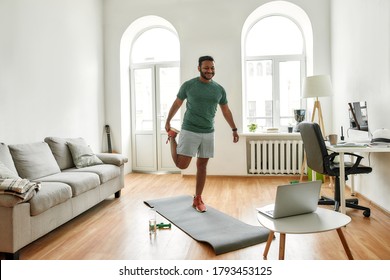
(68,179)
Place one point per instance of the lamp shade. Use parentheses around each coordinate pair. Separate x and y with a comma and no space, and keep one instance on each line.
(317,86)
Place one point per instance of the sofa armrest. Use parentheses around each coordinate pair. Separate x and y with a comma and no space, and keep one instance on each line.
(115,159)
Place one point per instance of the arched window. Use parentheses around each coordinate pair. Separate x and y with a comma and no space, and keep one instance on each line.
(274,62)
(274,35)
(156,45)
(155,56)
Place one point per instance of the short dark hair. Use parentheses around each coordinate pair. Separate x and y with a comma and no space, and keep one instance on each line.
(204,58)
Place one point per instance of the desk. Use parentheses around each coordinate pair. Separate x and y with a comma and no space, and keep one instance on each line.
(350,149)
(319,221)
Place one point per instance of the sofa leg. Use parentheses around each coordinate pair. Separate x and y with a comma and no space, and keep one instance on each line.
(12,256)
(118,194)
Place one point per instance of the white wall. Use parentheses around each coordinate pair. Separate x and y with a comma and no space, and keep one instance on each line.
(51,70)
(361,72)
(204,27)
(53,83)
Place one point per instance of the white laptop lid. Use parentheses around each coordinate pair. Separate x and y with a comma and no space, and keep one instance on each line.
(294,199)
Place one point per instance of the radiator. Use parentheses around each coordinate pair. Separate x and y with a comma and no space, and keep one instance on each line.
(276,156)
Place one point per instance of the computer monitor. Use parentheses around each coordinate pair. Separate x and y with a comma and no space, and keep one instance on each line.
(358,118)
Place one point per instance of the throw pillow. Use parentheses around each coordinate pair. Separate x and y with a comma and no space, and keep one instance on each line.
(34,160)
(61,150)
(83,155)
(6,173)
(6,158)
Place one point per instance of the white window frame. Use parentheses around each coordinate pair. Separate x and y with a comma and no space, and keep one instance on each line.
(276,59)
(298,15)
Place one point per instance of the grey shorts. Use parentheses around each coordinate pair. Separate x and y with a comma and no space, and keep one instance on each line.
(196,144)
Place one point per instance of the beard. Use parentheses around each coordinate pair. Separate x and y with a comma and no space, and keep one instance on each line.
(207,76)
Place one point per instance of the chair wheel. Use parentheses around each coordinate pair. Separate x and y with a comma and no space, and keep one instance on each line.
(367,213)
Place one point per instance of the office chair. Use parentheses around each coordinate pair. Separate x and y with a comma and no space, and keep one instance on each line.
(319,160)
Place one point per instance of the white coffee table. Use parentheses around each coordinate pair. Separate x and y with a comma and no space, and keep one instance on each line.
(319,221)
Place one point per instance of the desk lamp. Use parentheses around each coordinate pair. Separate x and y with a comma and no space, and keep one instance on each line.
(314,87)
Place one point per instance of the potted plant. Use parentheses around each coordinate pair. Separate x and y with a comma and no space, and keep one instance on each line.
(252,127)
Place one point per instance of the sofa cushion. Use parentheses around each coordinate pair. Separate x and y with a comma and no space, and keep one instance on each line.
(34,160)
(49,195)
(80,182)
(106,172)
(6,173)
(6,158)
(83,155)
(61,150)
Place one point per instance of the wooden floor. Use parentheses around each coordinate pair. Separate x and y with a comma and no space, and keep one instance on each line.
(117,229)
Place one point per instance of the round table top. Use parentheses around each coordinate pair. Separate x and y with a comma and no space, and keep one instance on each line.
(318,221)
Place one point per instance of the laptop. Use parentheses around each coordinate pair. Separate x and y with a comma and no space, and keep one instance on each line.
(294,199)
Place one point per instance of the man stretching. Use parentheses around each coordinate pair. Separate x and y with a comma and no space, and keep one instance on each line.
(197,130)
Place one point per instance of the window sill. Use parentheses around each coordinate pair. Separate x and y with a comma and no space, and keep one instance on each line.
(272,135)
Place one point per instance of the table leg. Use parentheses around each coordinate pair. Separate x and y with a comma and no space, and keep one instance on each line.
(342,183)
(345,244)
(268,245)
(282,243)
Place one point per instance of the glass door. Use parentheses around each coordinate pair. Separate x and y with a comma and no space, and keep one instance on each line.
(154,90)
(168,86)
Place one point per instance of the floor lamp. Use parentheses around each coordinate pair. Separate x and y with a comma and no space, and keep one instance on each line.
(314,87)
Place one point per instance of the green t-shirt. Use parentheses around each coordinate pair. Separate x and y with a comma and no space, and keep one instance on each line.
(202,101)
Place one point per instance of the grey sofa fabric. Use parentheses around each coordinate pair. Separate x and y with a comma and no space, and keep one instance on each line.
(115,159)
(50,195)
(61,150)
(80,182)
(34,160)
(6,158)
(6,173)
(83,155)
(105,172)
(65,192)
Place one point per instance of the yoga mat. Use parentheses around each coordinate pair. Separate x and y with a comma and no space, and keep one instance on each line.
(223,232)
